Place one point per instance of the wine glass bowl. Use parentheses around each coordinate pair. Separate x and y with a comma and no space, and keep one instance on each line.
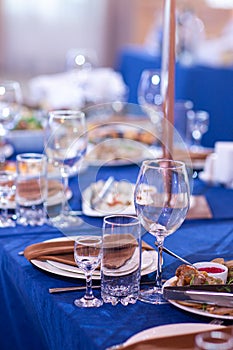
(161,201)
(87,255)
(66,144)
(197,126)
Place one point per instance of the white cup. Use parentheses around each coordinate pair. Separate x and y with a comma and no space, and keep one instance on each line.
(223,166)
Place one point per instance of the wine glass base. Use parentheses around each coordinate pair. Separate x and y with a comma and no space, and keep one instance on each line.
(7,223)
(64,221)
(152,296)
(83,302)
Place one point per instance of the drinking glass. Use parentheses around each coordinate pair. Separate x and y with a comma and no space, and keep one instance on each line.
(121,260)
(197,126)
(214,340)
(87,255)
(161,202)
(7,190)
(149,94)
(66,144)
(10,104)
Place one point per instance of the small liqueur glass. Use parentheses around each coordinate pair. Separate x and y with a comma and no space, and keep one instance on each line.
(87,255)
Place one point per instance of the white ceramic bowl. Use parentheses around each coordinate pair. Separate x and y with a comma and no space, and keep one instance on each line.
(209,268)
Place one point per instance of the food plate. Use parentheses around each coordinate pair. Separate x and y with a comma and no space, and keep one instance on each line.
(171,330)
(149,264)
(115,152)
(119,199)
(192,309)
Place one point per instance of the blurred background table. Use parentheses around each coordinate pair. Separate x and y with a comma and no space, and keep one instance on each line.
(209,88)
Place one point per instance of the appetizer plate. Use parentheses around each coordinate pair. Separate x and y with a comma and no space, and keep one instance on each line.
(194,310)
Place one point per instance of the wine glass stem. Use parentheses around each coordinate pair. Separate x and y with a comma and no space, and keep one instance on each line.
(160,263)
(89,292)
(65,181)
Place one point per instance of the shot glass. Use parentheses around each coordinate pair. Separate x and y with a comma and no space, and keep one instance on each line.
(31,189)
(121,259)
(214,340)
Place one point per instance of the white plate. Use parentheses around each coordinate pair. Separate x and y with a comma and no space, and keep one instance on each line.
(149,264)
(122,190)
(192,309)
(171,330)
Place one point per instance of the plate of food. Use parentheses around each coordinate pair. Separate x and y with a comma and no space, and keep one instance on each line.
(185,275)
(119,199)
(118,151)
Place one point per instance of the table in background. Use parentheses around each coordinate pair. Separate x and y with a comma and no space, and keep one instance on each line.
(33,319)
(210,88)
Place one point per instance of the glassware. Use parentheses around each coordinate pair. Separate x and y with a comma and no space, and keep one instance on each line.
(214,340)
(161,198)
(10,104)
(197,125)
(31,189)
(7,190)
(66,144)
(121,260)
(87,255)
(150,98)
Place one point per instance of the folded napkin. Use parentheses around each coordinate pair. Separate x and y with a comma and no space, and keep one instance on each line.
(179,342)
(63,252)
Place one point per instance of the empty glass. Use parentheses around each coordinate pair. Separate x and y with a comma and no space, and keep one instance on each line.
(121,261)
(161,201)
(87,255)
(197,126)
(65,146)
(7,190)
(31,189)
(214,340)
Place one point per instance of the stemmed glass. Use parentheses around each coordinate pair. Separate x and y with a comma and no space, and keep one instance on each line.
(197,125)
(7,190)
(65,146)
(149,94)
(161,201)
(10,104)
(87,255)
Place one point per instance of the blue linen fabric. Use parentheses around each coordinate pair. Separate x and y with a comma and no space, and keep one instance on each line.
(33,319)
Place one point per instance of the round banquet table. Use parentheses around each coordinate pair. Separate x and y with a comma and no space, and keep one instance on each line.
(31,318)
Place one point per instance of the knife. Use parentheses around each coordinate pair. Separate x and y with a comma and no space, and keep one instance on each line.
(220,295)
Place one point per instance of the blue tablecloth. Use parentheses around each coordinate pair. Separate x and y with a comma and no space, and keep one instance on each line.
(209,88)
(33,319)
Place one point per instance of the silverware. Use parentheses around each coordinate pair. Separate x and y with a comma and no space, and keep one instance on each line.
(74,288)
(220,295)
(169,252)
(100,196)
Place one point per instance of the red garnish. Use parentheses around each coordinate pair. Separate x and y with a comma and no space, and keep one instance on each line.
(211,269)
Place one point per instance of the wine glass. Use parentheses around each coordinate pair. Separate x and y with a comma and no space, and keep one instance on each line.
(87,255)
(197,125)
(7,190)
(10,104)
(66,144)
(161,201)
(150,99)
